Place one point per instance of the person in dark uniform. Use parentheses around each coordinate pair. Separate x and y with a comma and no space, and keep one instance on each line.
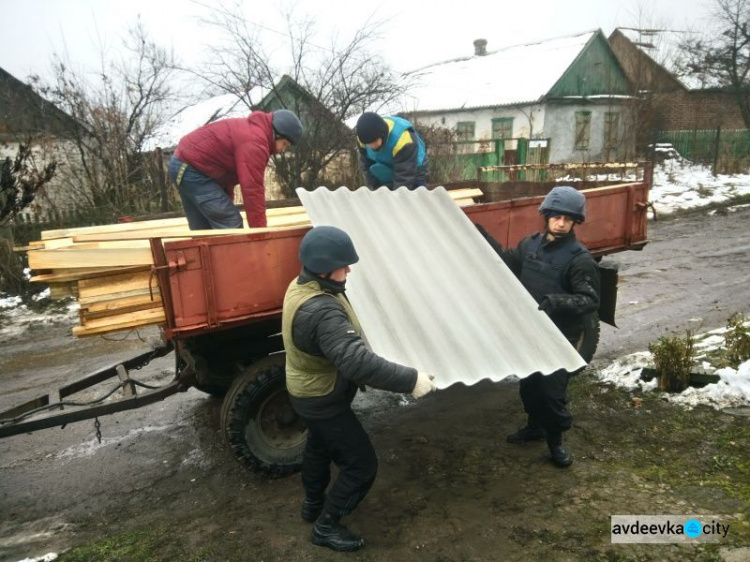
(563,278)
(391,152)
(326,362)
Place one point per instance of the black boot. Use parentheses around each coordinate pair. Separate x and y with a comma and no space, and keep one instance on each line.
(559,456)
(327,531)
(532,432)
(311,509)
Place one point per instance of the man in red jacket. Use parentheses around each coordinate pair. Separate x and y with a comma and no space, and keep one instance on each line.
(211,160)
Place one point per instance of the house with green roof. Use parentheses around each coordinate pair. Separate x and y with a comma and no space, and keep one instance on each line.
(569,94)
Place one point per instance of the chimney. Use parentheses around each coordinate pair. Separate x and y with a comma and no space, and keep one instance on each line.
(480,47)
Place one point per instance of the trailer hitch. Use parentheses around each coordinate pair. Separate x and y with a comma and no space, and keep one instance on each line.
(30,416)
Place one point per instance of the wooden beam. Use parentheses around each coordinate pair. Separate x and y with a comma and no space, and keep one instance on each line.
(101,257)
(284,215)
(109,308)
(75,274)
(114,283)
(172,233)
(140,293)
(120,322)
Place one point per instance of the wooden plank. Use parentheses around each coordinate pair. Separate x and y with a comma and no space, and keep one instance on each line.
(121,322)
(172,233)
(58,291)
(282,213)
(467,193)
(114,283)
(108,245)
(102,257)
(80,273)
(57,243)
(145,316)
(144,234)
(119,227)
(118,295)
(100,310)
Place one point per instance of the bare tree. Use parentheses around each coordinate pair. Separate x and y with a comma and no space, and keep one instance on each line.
(328,85)
(723,58)
(116,111)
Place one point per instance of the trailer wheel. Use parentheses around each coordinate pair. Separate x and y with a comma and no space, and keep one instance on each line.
(589,339)
(264,432)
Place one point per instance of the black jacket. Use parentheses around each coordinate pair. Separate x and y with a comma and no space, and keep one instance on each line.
(321,328)
(580,280)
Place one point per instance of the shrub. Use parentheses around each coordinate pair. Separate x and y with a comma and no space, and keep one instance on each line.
(673,358)
(737,340)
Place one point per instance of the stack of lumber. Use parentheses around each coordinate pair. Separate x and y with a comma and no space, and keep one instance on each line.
(108,268)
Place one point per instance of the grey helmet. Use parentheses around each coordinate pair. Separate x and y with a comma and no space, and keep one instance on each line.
(565,200)
(326,248)
(286,124)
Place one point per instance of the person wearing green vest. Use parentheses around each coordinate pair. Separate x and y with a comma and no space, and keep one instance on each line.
(391,152)
(327,361)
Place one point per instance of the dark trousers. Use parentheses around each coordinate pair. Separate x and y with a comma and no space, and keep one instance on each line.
(545,400)
(207,205)
(343,441)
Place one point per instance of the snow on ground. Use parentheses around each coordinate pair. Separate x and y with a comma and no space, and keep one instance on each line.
(16,317)
(680,184)
(733,388)
(49,557)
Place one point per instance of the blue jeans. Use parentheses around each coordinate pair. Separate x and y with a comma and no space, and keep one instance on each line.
(207,205)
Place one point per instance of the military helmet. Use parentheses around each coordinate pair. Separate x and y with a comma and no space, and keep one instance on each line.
(286,124)
(565,200)
(326,248)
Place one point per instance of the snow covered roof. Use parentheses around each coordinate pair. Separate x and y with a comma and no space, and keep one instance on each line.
(193,116)
(663,46)
(508,76)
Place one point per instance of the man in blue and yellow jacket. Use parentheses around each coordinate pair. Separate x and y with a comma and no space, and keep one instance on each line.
(391,152)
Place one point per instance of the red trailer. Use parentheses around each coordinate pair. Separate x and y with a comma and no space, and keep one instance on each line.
(223,296)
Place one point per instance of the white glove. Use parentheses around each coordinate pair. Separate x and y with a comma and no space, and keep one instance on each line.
(424,385)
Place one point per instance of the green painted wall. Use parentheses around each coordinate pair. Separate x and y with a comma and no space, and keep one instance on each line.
(596,71)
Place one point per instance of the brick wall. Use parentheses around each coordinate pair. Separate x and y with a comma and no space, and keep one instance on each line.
(697,109)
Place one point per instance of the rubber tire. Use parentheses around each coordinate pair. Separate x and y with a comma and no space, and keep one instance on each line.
(242,415)
(589,340)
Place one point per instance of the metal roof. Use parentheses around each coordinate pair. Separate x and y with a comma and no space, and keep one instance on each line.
(431,293)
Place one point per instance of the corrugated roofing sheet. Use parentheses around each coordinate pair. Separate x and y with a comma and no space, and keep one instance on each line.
(431,293)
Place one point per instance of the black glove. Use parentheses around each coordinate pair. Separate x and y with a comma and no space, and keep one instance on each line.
(547,305)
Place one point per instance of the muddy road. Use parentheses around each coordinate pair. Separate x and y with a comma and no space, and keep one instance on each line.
(162,486)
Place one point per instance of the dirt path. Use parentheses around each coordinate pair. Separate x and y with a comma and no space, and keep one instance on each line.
(161,485)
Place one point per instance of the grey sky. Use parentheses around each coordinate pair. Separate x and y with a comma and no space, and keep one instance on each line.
(415,32)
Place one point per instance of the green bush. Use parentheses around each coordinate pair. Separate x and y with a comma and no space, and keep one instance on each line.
(737,340)
(673,359)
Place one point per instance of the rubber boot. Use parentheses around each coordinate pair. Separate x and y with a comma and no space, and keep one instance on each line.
(532,432)
(327,531)
(559,456)
(311,509)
